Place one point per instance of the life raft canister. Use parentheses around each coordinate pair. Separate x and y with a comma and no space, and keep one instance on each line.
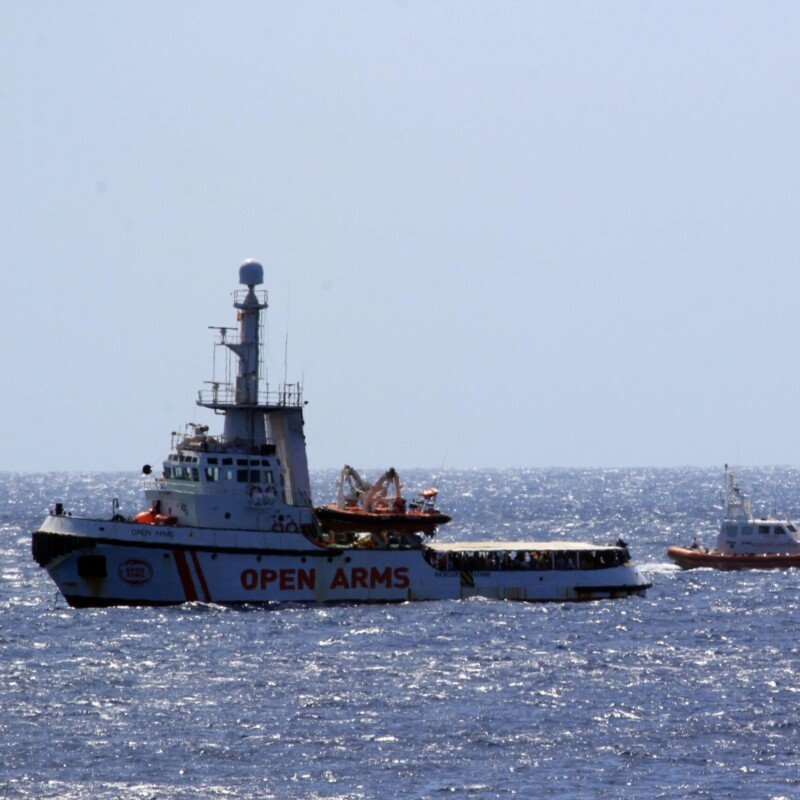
(260,497)
(256,494)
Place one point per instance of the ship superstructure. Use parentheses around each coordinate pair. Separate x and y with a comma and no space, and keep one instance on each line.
(254,475)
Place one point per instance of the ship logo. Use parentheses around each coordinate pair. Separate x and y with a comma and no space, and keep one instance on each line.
(135,571)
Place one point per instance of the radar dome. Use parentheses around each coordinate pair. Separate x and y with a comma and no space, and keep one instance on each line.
(251,273)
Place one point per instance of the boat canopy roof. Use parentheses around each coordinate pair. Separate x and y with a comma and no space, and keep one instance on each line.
(483,547)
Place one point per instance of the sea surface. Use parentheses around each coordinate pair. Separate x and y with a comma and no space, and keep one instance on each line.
(691,692)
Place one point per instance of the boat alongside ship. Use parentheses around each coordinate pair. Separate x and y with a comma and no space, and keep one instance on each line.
(744,541)
(230,520)
(380,506)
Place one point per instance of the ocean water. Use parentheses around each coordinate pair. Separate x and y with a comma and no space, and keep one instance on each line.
(691,692)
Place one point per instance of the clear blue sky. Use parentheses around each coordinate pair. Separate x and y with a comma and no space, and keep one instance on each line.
(498,233)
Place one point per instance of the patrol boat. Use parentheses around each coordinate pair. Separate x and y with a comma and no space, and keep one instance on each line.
(230,520)
(743,542)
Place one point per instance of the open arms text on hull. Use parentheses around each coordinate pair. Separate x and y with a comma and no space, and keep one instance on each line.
(231,520)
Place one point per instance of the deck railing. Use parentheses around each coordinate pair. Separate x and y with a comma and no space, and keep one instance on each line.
(290,395)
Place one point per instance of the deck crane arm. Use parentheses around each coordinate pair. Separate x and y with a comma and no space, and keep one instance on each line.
(380,489)
(351,487)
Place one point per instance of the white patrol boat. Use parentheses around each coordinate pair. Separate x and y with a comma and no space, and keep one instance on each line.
(231,520)
(743,542)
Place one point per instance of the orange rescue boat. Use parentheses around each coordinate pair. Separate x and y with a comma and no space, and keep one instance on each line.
(744,541)
(363,507)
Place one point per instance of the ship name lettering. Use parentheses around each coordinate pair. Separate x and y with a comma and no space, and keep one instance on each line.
(287,579)
(363,578)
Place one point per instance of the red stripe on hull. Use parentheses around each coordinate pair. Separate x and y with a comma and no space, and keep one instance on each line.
(201,577)
(185,575)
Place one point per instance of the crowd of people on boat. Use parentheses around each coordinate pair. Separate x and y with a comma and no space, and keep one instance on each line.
(492,560)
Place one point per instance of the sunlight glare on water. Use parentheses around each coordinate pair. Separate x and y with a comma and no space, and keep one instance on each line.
(688,693)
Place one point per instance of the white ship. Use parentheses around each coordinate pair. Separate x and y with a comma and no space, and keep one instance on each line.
(231,520)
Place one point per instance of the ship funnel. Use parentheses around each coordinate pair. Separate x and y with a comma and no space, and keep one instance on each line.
(251,273)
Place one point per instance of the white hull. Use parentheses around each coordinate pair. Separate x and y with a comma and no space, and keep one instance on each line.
(120,563)
(231,520)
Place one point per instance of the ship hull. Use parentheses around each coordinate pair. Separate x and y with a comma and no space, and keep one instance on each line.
(125,564)
(687,558)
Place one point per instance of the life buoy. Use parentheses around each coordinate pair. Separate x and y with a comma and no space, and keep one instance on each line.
(277,526)
(256,494)
(291,526)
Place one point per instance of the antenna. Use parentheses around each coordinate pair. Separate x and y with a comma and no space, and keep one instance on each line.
(286,339)
(286,354)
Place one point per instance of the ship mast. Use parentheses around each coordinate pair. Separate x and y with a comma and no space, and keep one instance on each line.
(251,274)
(244,417)
(738,505)
(257,421)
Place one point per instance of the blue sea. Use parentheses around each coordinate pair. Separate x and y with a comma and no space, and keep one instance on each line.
(691,692)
